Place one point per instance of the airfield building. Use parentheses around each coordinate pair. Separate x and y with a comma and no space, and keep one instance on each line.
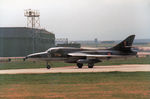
(21,41)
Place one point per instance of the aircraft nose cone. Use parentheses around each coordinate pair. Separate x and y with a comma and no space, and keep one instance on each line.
(30,56)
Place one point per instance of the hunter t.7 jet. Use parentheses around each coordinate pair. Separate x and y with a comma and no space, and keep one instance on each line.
(81,56)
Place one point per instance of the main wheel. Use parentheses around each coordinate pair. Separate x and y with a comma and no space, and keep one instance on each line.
(79,65)
(48,66)
(90,65)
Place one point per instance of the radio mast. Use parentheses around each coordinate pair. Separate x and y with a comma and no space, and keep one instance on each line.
(33,18)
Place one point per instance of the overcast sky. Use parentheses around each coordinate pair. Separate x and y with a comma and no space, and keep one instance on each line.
(82,19)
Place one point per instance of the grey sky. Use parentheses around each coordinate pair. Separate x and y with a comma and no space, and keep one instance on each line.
(83,19)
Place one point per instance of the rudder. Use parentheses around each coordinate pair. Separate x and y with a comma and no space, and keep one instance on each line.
(125,45)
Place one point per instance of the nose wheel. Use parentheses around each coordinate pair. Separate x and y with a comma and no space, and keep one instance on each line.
(47,65)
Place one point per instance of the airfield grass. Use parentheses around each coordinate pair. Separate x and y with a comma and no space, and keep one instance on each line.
(39,64)
(110,85)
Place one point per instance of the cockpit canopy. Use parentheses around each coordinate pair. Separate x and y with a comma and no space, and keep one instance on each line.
(58,49)
(52,49)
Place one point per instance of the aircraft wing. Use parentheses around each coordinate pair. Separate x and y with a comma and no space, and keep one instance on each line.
(91,55)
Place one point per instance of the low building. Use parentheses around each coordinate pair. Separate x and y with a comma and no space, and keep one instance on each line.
(21,41)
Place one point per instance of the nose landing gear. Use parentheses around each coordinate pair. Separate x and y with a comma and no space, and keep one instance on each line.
(47,65)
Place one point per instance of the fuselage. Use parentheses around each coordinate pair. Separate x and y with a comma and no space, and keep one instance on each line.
(89,56)
(61,54)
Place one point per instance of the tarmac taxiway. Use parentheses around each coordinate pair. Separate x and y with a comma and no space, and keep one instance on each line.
(74,69)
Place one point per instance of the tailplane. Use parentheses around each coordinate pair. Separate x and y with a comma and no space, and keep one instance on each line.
(125,45)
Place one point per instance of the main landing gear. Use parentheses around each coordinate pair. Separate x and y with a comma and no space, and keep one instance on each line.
(47,65)
(90,65)
(79,65)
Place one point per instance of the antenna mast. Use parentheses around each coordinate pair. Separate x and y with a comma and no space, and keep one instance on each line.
(33,18)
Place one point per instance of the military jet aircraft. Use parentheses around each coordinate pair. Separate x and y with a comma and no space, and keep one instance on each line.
(88,56)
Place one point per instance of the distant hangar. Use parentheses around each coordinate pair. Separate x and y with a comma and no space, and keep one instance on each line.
(21,41)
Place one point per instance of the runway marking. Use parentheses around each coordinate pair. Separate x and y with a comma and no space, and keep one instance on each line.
(74,69)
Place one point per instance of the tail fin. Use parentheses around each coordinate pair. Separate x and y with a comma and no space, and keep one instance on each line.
(125,45)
